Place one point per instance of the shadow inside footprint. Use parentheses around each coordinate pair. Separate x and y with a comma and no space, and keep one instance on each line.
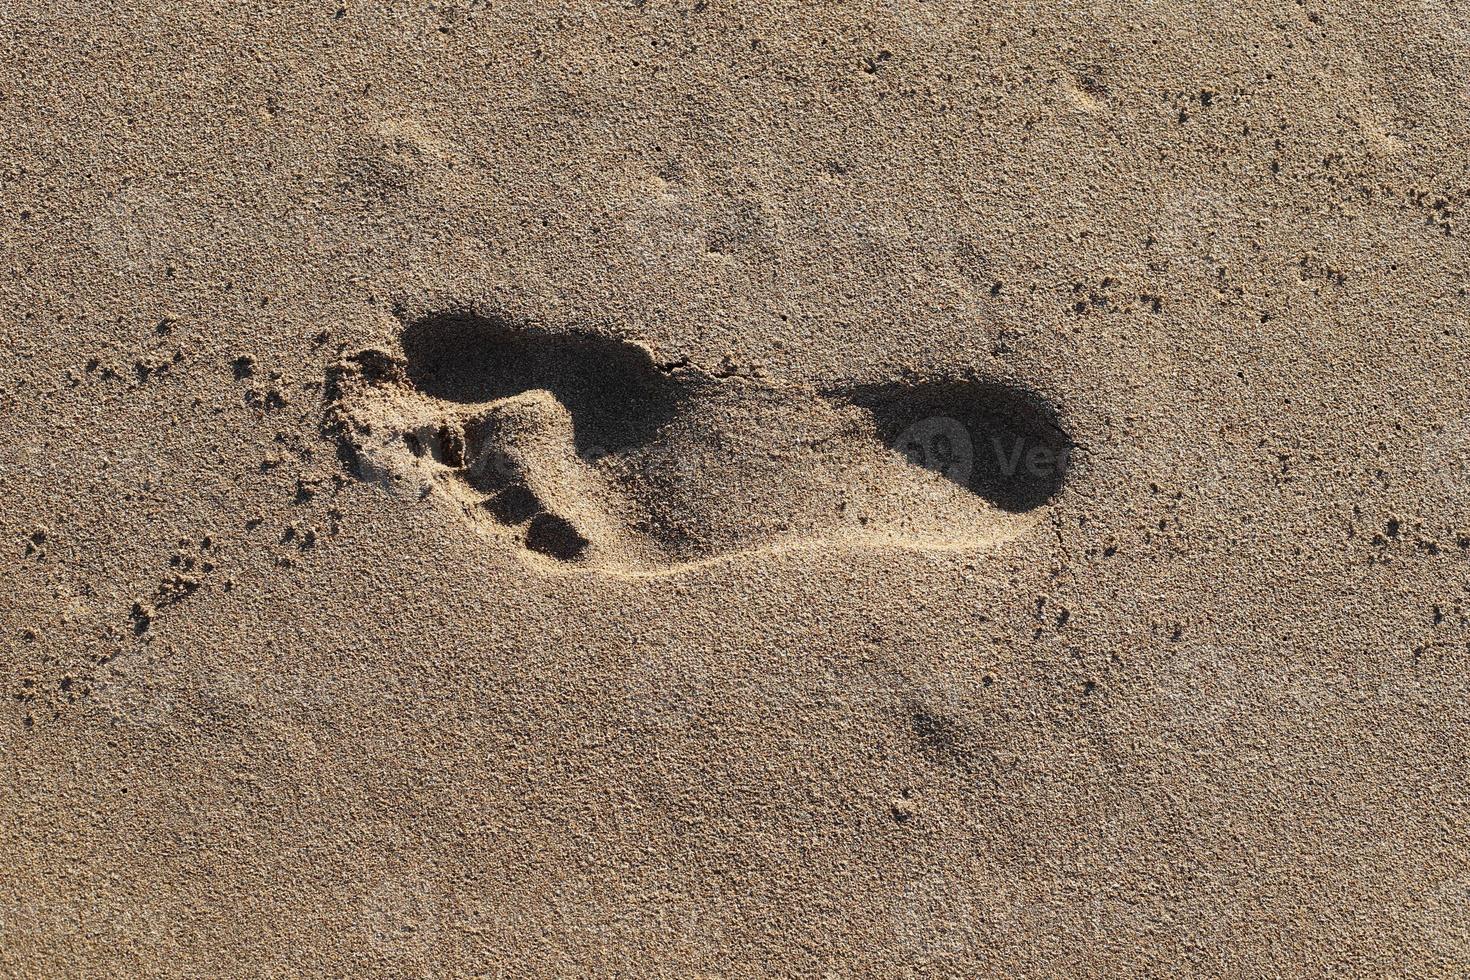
(555,537)
(615,393)
(1003,443)
(587,452)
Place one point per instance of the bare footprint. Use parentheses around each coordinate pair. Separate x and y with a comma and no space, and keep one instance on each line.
(585,453)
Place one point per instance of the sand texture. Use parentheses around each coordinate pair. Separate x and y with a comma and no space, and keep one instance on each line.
(692,488)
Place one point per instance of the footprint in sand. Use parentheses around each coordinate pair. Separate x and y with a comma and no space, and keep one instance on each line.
(586,453)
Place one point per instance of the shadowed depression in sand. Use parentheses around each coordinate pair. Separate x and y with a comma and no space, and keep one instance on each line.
(582,449)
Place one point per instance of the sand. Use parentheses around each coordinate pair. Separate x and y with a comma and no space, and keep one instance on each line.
(712,489)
